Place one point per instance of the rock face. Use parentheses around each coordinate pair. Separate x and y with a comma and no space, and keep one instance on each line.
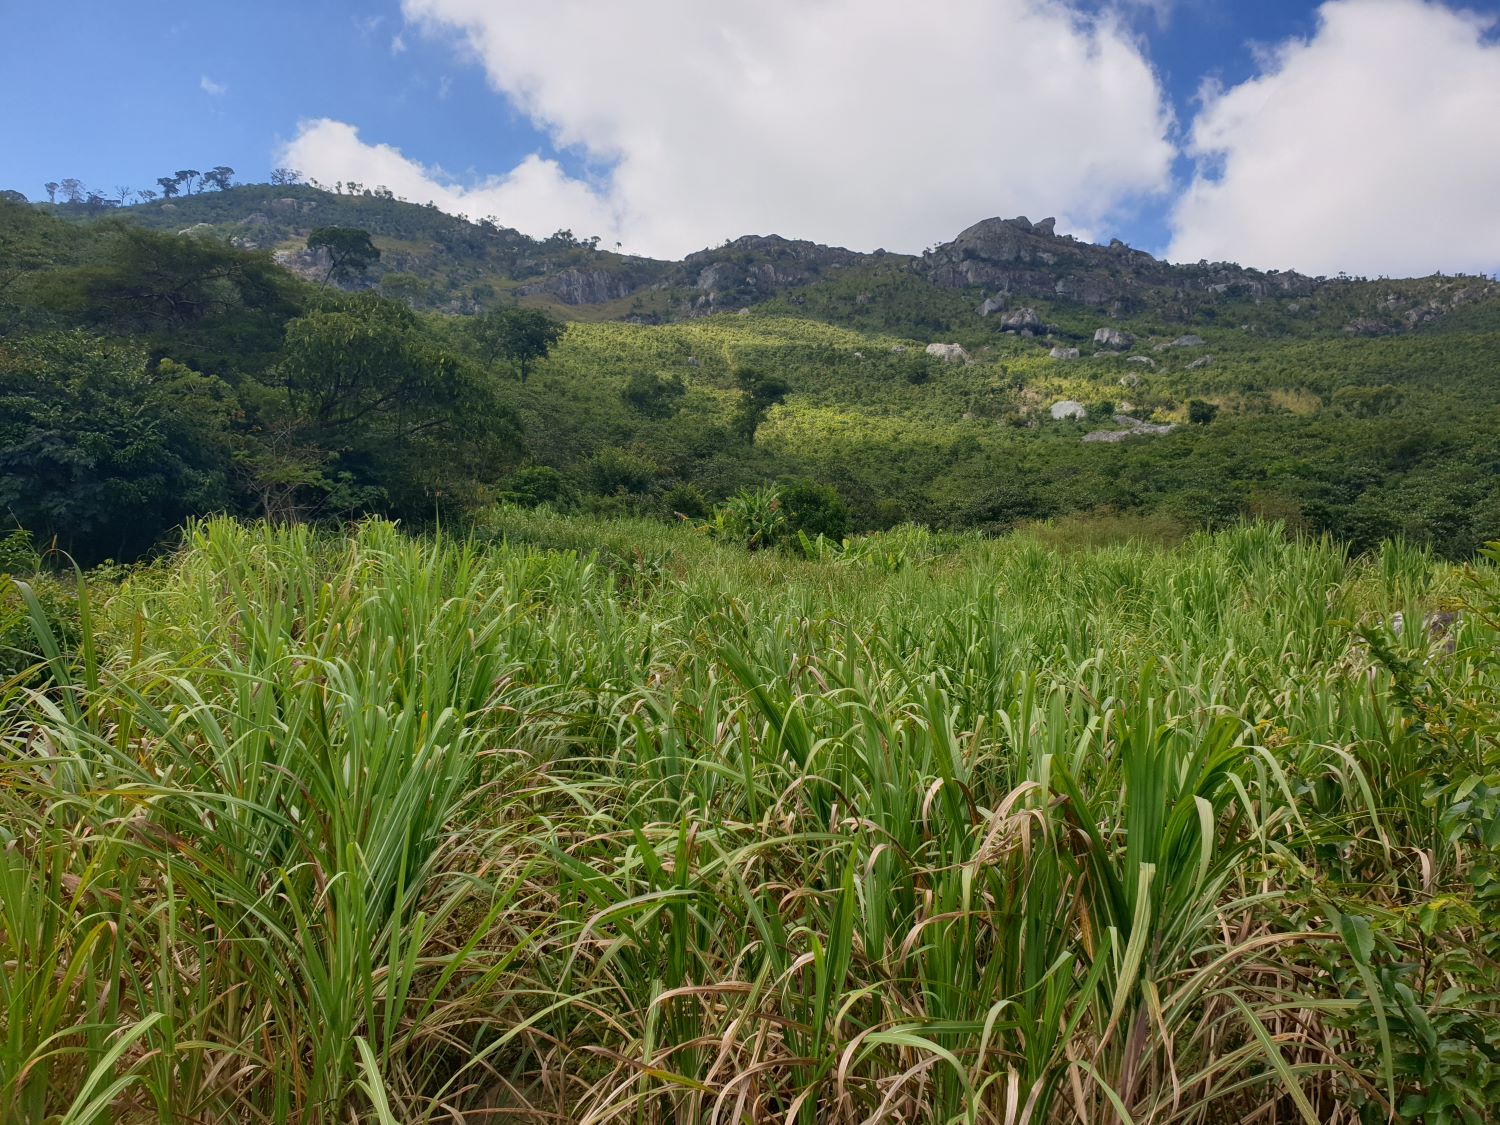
(949,353)
(1188,342)
(1067,409)
(991,305)
(1024,321)
(1114,338)
(1133,427)
(582,287)
(1019,256)
(1064,353)
(756,268)
(1206,361)
(1144,361)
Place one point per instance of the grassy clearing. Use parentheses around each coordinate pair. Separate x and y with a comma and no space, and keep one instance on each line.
(593,821)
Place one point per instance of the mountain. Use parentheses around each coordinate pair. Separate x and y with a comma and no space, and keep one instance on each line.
(944,389)
(982,281)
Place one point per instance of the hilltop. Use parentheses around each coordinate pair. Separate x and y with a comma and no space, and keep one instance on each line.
(980,283)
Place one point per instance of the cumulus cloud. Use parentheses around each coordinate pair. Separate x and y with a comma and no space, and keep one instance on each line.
(1373,148)
(536,195)
(861,122)
(211,88)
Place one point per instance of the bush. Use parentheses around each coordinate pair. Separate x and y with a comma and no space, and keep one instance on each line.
(653,395)
(686,500)
(754,518)
(535,485)
(1201,413)
(815,509)
(620,470)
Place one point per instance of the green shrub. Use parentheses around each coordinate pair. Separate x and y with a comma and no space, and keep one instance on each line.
(686,500)
(620,470)
(815,509)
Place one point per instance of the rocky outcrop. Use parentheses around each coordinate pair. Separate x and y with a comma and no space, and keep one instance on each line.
(582,287)
(1067,410)
(1019,256)
(1131,427)
(1114,338)
(1198,364)
(949,353)
(991,305)
(1026,322)
(1064,353)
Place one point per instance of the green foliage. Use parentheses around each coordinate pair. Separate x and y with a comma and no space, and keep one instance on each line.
(927,826)
(517,336)
(1201,413)
(621,470)
(102,453)
(814,509)
(753,518)
(532,486)
(372,394)
(350,251)
(686,500)
(654,396)
(758,393)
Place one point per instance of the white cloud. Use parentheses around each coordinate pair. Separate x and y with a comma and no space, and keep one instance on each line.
(1373,147)
(398,44)
(861,122)
(212,88)
(536,196)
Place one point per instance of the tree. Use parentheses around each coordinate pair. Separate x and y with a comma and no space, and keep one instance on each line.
(521,336)
(169,186)
(123,194)
(102,451)
(1201,413)
(188,176)
(371,388)
(285,177)
(653,395)
(815,509)
(145,195)
(219,177)
(72,189)
(350,251)
(759,392)
(199,299)
(52,186)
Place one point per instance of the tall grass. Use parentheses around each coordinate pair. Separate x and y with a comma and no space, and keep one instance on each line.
(315,828)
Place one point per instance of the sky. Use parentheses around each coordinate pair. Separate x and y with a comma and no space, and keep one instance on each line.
(1358,136)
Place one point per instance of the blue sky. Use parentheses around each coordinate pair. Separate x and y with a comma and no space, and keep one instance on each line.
(120,94)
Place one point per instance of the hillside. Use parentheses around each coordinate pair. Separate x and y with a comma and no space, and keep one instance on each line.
(1209,394)
(979,284)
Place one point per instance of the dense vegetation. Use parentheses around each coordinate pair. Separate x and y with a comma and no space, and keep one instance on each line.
(606,821)
(148,376)
(946,762)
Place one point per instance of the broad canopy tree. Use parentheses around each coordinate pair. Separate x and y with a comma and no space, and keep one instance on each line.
(382,402)
(102,452)
(349,249)
(517,336)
